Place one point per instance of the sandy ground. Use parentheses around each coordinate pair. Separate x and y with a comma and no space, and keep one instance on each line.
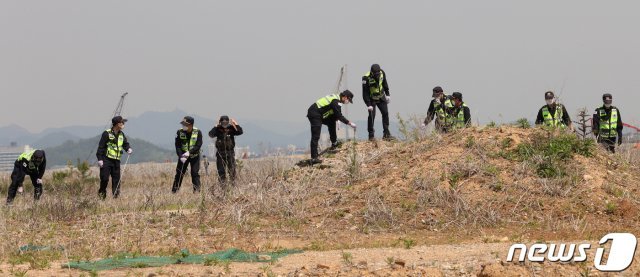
(484,259)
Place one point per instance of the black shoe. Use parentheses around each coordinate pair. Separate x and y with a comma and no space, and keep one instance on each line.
(372,139)
(315,161)
(388,137)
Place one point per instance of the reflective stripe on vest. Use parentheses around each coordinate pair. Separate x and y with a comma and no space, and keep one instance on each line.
(375,91)
(442,117)
(608,128)
(459,121)
(189,143)
(553,120)
(114,149)
(27,156)
(326,101)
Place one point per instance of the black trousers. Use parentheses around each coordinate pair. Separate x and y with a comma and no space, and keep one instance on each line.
(17,177)
(608,143)
(110,168)
(316,122)
(181,168)
(384,110)
(226,163)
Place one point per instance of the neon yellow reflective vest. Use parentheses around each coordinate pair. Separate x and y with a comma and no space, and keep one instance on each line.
(442,117)
(608,128)
(375,91)
(26,156)
(324,102)
(114,147)
(554,120)
(188,143)
(458,120)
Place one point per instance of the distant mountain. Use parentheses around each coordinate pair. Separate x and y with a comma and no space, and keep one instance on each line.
(85,149)
(159,128)
(53,139)
(15,133)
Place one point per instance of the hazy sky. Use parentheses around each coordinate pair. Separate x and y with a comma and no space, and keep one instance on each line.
(66,62)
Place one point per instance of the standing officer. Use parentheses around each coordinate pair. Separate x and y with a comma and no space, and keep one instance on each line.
(460,113)
(375,92)
(553,114)
(112,143)
(32,163)
(607,124)
(225,133)
(188,143)
(439,109)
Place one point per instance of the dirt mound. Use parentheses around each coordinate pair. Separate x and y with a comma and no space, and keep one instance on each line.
(528,183)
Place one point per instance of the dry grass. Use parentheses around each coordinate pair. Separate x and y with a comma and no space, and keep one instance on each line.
(430,185)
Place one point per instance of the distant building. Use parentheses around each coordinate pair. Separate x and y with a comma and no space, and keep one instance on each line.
(8,155)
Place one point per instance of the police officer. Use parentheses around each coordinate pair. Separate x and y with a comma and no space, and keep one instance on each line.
(225,133)
(112,144)
(460,113)
(607,124)
(375,92)
(439,109)
(326,111)
(188,143)
(553,114)
(32,163)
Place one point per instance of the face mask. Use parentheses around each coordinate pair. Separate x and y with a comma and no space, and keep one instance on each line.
(550,101)
(225,124)
(185,128)
(437,100)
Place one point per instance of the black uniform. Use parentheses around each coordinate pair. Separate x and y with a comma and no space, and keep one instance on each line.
(446,104)
(466,112)
(314,114)
(193,160)
(552,110)
(610,142)
(110,167)
(225,153)
(23,167)
(380,103)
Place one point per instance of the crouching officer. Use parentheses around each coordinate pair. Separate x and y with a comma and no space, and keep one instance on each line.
(327,110)
(188,143)
(225,133)
(112,143)
(32,163)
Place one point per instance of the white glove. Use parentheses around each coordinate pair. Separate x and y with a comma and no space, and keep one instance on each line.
(370,108)
(185,154)
(423,125)
(353,125)
(387,98)
(39,181)
(100,163)
(20,189)
(129,151)
(183,160)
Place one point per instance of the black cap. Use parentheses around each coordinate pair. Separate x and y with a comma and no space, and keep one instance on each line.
(187,120)
(118,119)
(457,95)
(224,118)
(607,95)
(436,91)
(38,154)
(375,67)
(549,95)
(348,94)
